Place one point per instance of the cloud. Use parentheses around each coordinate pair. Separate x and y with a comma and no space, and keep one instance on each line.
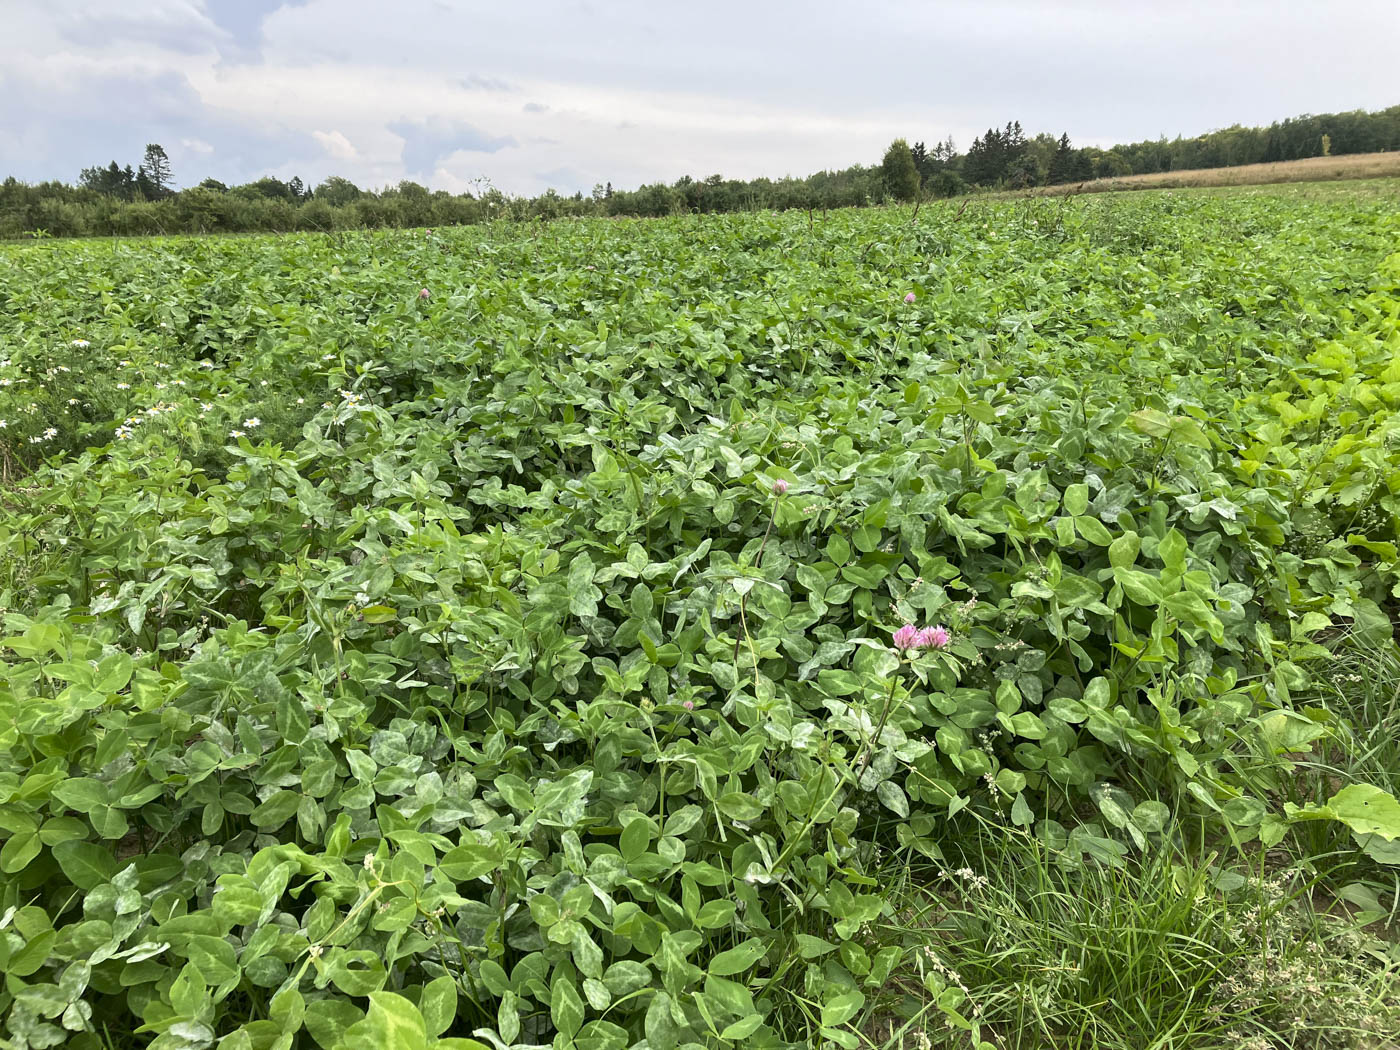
(427,142)
(534,107)
(480,83)
(242,24)
(337,145)
(564,179)
(169,25)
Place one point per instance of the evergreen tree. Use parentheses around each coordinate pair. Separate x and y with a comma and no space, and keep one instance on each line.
(111,181)
(1062,163)
(156,165)
(146,187)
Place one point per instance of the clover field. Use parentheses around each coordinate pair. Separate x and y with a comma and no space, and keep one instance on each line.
(483,637)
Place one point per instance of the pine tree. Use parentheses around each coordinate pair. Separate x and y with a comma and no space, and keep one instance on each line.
(156,165)
(921,162)
(1062,163)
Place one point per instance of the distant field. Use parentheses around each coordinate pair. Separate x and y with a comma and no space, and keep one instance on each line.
(1312,169)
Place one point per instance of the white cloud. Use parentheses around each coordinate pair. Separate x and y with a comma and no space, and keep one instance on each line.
(337,145)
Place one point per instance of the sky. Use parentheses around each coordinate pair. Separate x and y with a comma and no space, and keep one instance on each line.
(528,95)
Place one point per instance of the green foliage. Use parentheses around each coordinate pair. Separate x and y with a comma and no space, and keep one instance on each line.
(447,671)
(899,172)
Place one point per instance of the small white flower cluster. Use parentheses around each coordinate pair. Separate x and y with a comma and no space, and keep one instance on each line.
(968,876)
(49,434)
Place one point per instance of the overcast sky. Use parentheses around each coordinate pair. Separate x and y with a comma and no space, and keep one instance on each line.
(533,94)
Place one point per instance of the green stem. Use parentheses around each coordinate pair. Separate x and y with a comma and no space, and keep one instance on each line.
(879,728)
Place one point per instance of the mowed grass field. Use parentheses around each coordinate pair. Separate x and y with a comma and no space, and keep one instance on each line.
(967,629)
(1311,169)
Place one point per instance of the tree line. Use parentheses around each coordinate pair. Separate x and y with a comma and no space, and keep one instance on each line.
(117,200)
